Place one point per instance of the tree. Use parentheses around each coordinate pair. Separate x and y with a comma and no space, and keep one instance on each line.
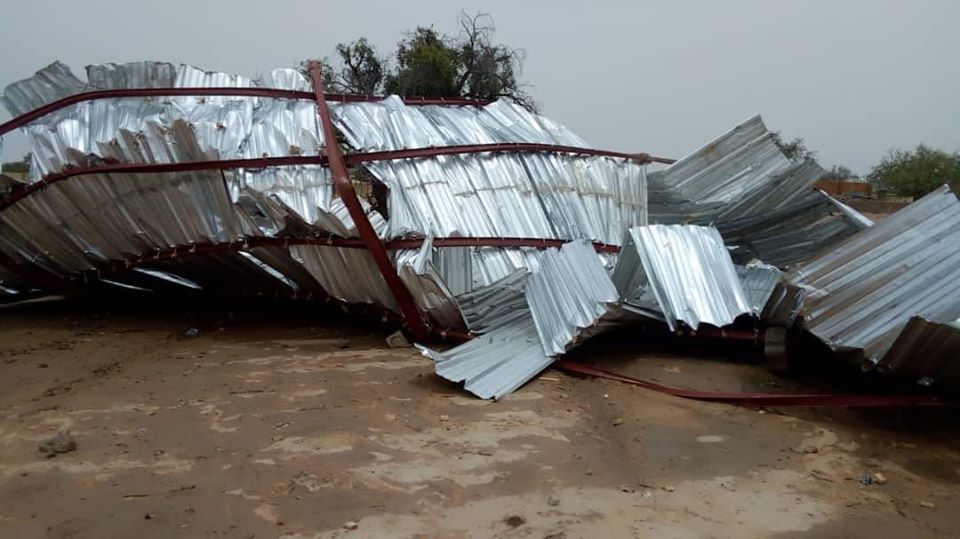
(361,70)
(916,173)
(795,150)
(427,65)
(431,64)
(19,167)
(839,173)
(486,71)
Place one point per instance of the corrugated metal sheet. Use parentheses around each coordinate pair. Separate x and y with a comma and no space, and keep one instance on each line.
(682,272)
(861,294)
(427,286)
(490,307)
(569,295)
(792,234)
(758,282)
(502,195)
(495,364)
(925,351)
(47,85)
(762,203)
(132,75)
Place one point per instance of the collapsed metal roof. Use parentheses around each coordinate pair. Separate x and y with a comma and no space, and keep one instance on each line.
(457,217)
(862,294)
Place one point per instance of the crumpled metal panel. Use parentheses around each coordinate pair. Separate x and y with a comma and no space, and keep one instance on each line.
(512,195)
(493,195)
(428,288)
(790,235)
(71,225)
(728,168)
(495,364)
(927,352)
(285,79)
(49,84)
(758,281)
(490,307)
(350,275)
(682,272)
(569,295)
(132,75)
(155,129)
(861,294)
(762,203)
(391,125)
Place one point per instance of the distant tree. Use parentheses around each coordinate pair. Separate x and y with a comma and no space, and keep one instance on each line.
(795,150)
(427,65)
(839,173)
(21,167)
(486,70)
(916,173)
(361,71)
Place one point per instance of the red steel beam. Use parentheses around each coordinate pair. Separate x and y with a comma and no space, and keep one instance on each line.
(762,399)
(253,242)
(292,160)
(26,190)
(500,147)
(374,244)
(274,93)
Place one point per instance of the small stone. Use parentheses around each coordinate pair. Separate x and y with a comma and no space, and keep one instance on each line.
(553,501)
(879,478)
(606,396)
(62,442)
(191,332)
(149,516)
(397,340)
(350,525)
(43,365)
(588,472)
(444,417)
(627,489)
(515,521)
(618,421)
(669,488)
(927,505)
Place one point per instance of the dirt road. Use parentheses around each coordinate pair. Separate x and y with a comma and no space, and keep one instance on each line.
(273,426)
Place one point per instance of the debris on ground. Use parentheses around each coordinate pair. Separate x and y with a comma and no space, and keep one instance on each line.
(350,525)
(397,340)
(514,521)
(62,442)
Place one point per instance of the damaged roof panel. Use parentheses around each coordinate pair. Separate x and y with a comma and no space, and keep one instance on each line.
(862,293)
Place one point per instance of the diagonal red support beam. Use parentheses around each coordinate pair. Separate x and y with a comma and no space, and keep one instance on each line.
(369,236)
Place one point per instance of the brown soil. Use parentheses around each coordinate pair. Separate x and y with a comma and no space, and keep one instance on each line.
(295,427)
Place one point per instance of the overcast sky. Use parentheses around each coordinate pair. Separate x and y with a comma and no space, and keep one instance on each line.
(852,77)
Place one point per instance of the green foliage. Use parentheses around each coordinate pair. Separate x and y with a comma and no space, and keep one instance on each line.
(795,150)
(362,69)
(428,63)
(20,167)
(916,173)
(839,173)
(426,66)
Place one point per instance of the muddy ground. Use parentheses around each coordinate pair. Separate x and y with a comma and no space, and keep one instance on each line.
(294,425)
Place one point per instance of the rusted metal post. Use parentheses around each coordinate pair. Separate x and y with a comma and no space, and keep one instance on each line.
(369,236)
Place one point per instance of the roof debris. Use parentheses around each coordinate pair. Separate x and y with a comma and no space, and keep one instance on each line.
(500,224)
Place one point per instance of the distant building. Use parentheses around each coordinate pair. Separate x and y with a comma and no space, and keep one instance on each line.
(845,188)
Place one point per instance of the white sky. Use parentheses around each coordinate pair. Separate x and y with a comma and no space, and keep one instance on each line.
(853,77)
